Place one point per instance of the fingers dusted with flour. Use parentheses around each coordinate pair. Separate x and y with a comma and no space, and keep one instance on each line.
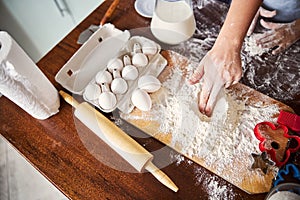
(278,36)
(215,72)
(197,74)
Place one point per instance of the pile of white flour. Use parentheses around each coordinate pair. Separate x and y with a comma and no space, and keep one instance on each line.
(218,140)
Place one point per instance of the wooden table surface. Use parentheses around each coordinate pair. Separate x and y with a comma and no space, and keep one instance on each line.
(57,150)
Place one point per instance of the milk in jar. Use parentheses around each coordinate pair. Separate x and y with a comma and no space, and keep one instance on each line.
(173,21)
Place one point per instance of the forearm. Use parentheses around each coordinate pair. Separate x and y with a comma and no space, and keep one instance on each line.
(237,22)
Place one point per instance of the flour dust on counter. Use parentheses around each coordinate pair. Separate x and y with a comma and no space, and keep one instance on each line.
(275,75)
(215,187)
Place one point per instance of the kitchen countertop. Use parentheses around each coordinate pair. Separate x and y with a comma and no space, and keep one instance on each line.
(54,147)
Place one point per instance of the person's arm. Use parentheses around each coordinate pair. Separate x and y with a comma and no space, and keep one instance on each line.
(221,66)
(238,20)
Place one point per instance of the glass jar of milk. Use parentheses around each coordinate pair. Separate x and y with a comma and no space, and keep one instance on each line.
(173,21)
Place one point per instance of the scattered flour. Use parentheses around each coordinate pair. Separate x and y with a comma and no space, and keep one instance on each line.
(217,191)
(215,187)
(252,48)
(217,141)
(195,133)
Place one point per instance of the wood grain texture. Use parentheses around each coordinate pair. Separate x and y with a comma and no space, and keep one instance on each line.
(64,150)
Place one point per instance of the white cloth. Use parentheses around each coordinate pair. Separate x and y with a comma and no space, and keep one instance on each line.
(23,83)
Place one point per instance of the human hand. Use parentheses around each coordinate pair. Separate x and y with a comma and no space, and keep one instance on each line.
(263,13)
(217,69)
(279,36)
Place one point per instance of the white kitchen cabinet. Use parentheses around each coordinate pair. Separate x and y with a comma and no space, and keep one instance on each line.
(37,25)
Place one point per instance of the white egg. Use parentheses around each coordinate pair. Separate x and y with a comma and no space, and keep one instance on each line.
(115,63)
(107,100)
(118,86)
(149,83)
(103,77)
(149,48)
(92,92)
(139,60)
(130,73)
(141,99)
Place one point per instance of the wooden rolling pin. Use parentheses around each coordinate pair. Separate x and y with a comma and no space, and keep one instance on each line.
(118,140)
(109,12)
(86,34)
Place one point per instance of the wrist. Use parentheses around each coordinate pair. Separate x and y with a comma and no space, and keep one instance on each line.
(228,43)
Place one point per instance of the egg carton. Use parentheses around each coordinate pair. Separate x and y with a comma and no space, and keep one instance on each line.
(104,49)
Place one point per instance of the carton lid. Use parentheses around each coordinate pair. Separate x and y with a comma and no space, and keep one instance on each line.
(91,57)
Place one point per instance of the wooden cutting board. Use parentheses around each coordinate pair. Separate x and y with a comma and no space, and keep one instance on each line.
(241,175)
